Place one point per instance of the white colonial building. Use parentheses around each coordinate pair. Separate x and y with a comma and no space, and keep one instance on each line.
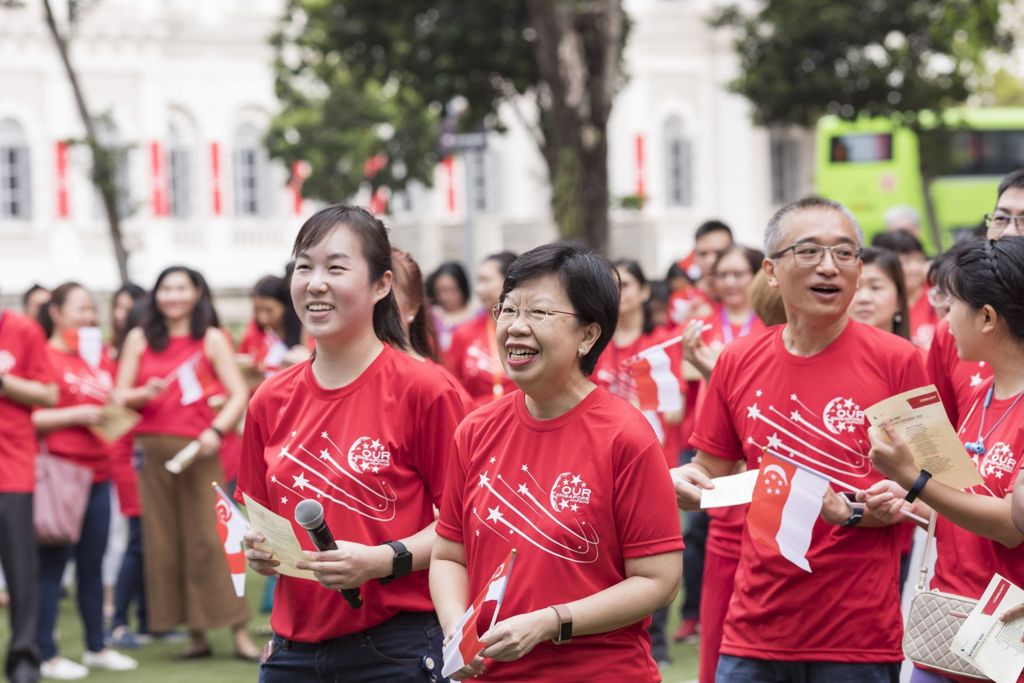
(187,87)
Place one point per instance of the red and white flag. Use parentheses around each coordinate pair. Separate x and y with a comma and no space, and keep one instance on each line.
(657,387)
(87,342)
(785,506)
(195,380)
(231,527)
(465,643)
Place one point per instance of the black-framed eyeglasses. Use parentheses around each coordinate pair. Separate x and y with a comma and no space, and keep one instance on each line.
(811,254)
(999,222)
(506,314)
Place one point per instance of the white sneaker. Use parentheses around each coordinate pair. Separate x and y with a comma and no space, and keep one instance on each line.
(63,669)
(109,659)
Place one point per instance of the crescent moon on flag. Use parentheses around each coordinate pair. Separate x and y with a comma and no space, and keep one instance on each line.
(778,470)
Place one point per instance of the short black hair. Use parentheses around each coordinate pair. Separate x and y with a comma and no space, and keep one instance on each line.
(900,241)
(633,267)
(455,271)
(888,261)
(503,259)
(589,281)
(710,226)
(1013,179)
(989,272)
(30,291)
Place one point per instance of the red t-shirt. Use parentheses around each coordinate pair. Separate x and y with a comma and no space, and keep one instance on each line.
(474,361)
(577,496)
(374,453)
(612,373)
(762,395)
(165,415)
(22,354)
(81,384)
(922,322)
(966,561)
(955,379)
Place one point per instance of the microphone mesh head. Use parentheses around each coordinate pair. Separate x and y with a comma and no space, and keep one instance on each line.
(309,514)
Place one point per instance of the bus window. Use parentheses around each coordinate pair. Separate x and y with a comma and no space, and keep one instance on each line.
(861,147)
(985,152)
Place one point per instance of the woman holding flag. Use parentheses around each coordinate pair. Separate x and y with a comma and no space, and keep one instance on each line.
(569,476)
(85,379)
(364,429)
(975,528)
(169,368)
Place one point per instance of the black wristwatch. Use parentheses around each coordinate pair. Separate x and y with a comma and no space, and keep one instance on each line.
(401,565)
(856,510)
(915,490)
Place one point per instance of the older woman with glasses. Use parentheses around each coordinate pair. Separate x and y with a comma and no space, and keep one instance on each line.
(571,477)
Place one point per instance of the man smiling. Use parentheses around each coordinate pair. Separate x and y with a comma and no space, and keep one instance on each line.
(801,390)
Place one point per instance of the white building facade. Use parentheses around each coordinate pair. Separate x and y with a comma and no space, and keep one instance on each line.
(187,87)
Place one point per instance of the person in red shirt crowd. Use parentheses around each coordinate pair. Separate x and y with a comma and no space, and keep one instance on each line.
(274,338)
(955,378)
(26,380)
(571,477)
(975,530)
(448,291)
(711,239)
(801,389)
(473,356)
(914,264)
(84,390)
(881,298)
(365,429)
(169,367)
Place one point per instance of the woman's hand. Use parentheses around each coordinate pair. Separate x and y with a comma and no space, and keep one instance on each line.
(153,387)
(259,561)
(695,351)
(209,443)
(890,454)
(512,638)
(350,566)
(835,509)
(886,500)
(471,670)
(689,482)
(88,414)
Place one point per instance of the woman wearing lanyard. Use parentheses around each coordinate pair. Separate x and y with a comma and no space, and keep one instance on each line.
(732,276)
(448,291)
(365,430)
(975,530)
(169,368)
(571,477)
(85,386)
(473,356)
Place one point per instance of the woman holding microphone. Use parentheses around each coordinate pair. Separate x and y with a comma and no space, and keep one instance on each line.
(571,477)
(364,429)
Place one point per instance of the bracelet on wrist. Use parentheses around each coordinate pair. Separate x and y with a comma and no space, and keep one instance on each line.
(217,431)
(918,486)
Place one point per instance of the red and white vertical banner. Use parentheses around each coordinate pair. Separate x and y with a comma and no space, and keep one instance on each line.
(300,171)
(657,387)
(156,164)
(449,182)
(641,185)
(215,186)
(63,209)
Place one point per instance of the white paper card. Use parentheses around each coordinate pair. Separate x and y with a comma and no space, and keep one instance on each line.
(736,489)
(281,539)
(990,645)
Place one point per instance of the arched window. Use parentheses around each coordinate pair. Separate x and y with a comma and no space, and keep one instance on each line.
(15,186)
(180,178)
(678,164)
(250,177)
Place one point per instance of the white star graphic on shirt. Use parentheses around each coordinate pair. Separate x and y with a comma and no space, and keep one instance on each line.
(300,481)
(375,470)
(574,507)
(493,459)
(494,514)
(525,468)
(774,441)
(365,466)
(376,443)
(759,393)
(284,500)
(577,480)
(848,403)
(795,415)
(523,489)
(324,454)
(323,435)
(851,428)
(484,480)
(563,504)
(997,475)
(976,379)
(477,532)
(293,434)
(273,479)
(792,397)
(284,453)
(753,411)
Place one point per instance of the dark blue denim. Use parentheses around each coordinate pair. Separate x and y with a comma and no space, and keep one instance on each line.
(88,554)
(745,670)
(131,584)
(406,648)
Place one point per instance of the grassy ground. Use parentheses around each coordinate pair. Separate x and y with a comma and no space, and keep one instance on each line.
(155,662)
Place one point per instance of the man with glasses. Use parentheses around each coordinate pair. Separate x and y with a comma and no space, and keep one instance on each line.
(953,377)
(800,390)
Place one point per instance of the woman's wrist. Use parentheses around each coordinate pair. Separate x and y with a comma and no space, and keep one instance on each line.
(216,430)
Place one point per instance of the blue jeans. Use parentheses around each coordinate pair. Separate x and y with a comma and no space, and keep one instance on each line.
(131,586)
(88,554)
(406,648)
(745,670)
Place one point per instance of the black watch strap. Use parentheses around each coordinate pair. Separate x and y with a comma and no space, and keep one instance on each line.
(856,510)
(401,565)
(916,489)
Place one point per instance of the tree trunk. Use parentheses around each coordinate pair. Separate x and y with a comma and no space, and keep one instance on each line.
(577,49)
(102,159)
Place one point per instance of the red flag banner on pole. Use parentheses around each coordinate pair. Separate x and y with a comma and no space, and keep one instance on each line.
(465,643)
(786,503)
(231,527)
(657,387)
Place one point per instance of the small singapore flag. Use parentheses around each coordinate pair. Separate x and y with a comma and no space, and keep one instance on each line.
(195,381)
(231,528)
(657,388)
(465,643)
(784,508)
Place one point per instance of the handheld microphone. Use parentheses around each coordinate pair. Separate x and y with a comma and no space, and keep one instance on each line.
(309,514)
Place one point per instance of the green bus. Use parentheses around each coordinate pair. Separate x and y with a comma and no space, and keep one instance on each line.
(870,165)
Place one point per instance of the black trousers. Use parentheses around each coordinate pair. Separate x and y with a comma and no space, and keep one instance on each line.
(20,560)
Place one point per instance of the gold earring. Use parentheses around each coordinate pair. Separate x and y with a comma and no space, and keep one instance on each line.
(581,352)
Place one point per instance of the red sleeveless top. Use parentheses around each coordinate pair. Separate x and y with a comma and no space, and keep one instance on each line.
(177,411)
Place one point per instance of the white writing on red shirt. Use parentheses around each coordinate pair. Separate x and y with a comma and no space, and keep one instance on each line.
(998,461)
(7,360)
(842,415)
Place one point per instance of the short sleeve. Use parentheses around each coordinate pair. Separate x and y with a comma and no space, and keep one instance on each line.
(645,512)
(34,363)
(252,468)
(449,524)
(912,373)
(714,431)
(939,372)
(436,432)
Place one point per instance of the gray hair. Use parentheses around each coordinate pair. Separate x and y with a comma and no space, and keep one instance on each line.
(773,233)
(899,213)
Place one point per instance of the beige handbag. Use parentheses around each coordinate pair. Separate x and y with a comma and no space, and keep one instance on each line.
(933,621)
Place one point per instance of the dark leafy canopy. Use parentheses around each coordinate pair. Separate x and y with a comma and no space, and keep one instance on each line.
(359,78)
(801,59)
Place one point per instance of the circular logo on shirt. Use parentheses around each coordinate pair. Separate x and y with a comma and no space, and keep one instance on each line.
(569,492)
(6,360)
(368,455)
(842,415)
(998,462)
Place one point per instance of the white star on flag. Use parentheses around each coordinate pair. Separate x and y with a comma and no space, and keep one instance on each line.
(784,509)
